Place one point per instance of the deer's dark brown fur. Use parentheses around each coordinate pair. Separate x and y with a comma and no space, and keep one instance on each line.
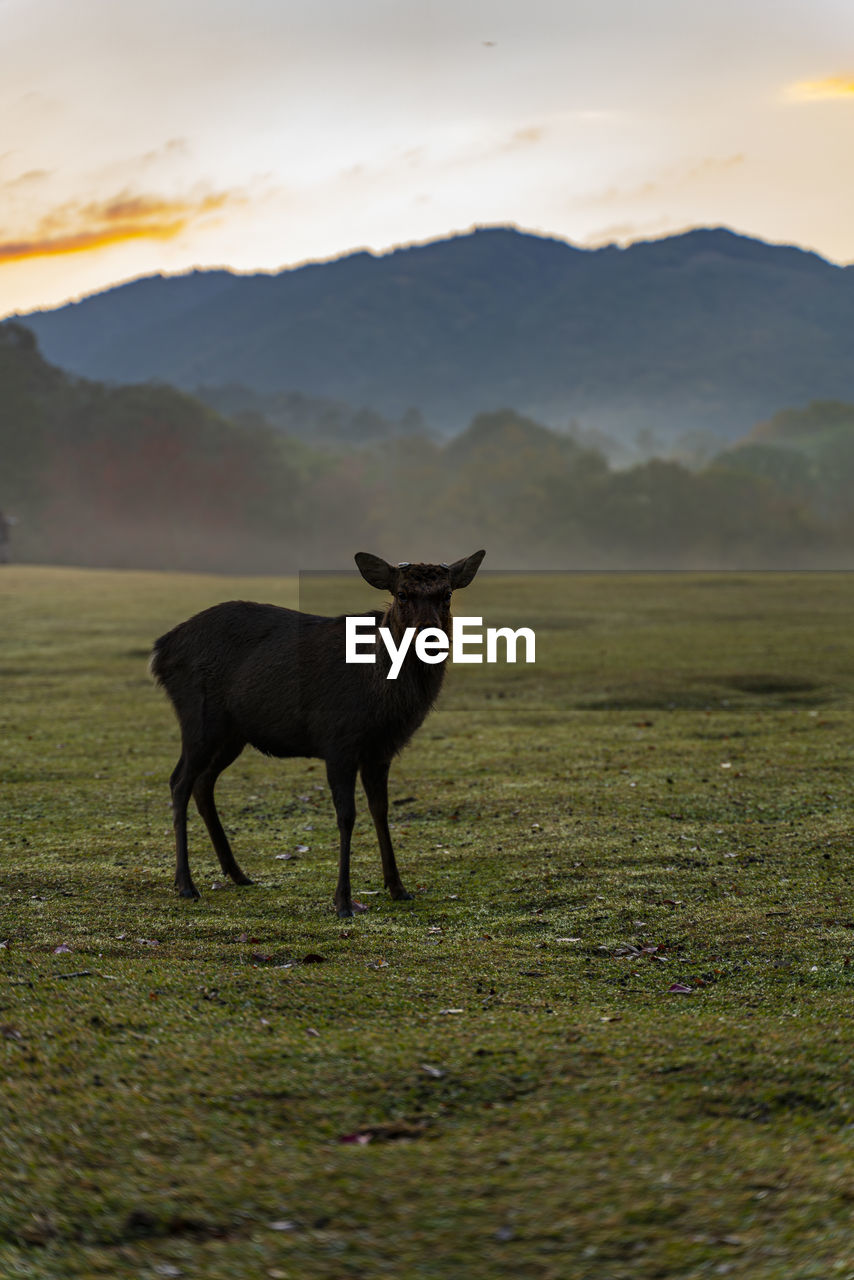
(276,679)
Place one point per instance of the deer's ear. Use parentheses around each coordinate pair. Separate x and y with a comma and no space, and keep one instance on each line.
(379,573)
(462,571)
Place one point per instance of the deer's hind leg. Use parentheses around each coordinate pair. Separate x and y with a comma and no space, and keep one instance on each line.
(342,783)
(203,794)
(181,786)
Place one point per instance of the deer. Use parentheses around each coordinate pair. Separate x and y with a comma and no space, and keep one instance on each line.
(242,673)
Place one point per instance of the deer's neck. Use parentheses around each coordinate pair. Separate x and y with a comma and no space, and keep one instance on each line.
(416,680)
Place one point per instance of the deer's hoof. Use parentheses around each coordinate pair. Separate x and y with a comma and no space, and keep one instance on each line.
(345,912)
(400,894)
(188,891)
(240,878)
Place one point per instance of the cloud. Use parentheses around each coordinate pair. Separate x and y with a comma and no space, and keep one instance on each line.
(523,137)
(27,179)
(174,148)
(839,87)
(624,233)
(85,228)
(445,152)
(667,182)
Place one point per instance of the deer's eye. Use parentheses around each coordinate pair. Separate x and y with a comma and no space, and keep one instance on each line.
(402,597)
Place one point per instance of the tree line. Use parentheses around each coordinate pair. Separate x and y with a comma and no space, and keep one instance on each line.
(148,477)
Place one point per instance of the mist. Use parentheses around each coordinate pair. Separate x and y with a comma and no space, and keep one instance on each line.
(146,477)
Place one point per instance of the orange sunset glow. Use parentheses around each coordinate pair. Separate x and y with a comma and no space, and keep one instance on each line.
(120,221)
(818,90)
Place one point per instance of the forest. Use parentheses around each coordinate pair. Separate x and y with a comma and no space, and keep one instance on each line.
(146,476)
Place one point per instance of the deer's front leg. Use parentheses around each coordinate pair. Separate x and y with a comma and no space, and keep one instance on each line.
(375,782)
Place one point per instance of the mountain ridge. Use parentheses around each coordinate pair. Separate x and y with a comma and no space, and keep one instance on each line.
(707,330)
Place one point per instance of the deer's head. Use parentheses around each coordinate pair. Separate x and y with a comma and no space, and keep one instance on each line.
(421,593)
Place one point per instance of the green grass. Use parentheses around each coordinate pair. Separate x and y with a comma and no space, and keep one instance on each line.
(665,797)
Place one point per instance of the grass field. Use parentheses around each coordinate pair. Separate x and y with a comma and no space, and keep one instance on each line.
(497,1078)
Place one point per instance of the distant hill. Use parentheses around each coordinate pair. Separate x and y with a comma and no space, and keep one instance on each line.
(821,424)
(146,476)
(703,332)
(140,476)
(807,454)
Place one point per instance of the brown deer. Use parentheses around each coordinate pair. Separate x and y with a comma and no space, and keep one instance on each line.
(277,679)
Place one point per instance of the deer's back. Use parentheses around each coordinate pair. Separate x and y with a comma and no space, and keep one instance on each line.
(278,679)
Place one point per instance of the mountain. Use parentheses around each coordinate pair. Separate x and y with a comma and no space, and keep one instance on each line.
(703,332)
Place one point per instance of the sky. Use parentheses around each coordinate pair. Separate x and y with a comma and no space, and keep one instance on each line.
(257,134)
